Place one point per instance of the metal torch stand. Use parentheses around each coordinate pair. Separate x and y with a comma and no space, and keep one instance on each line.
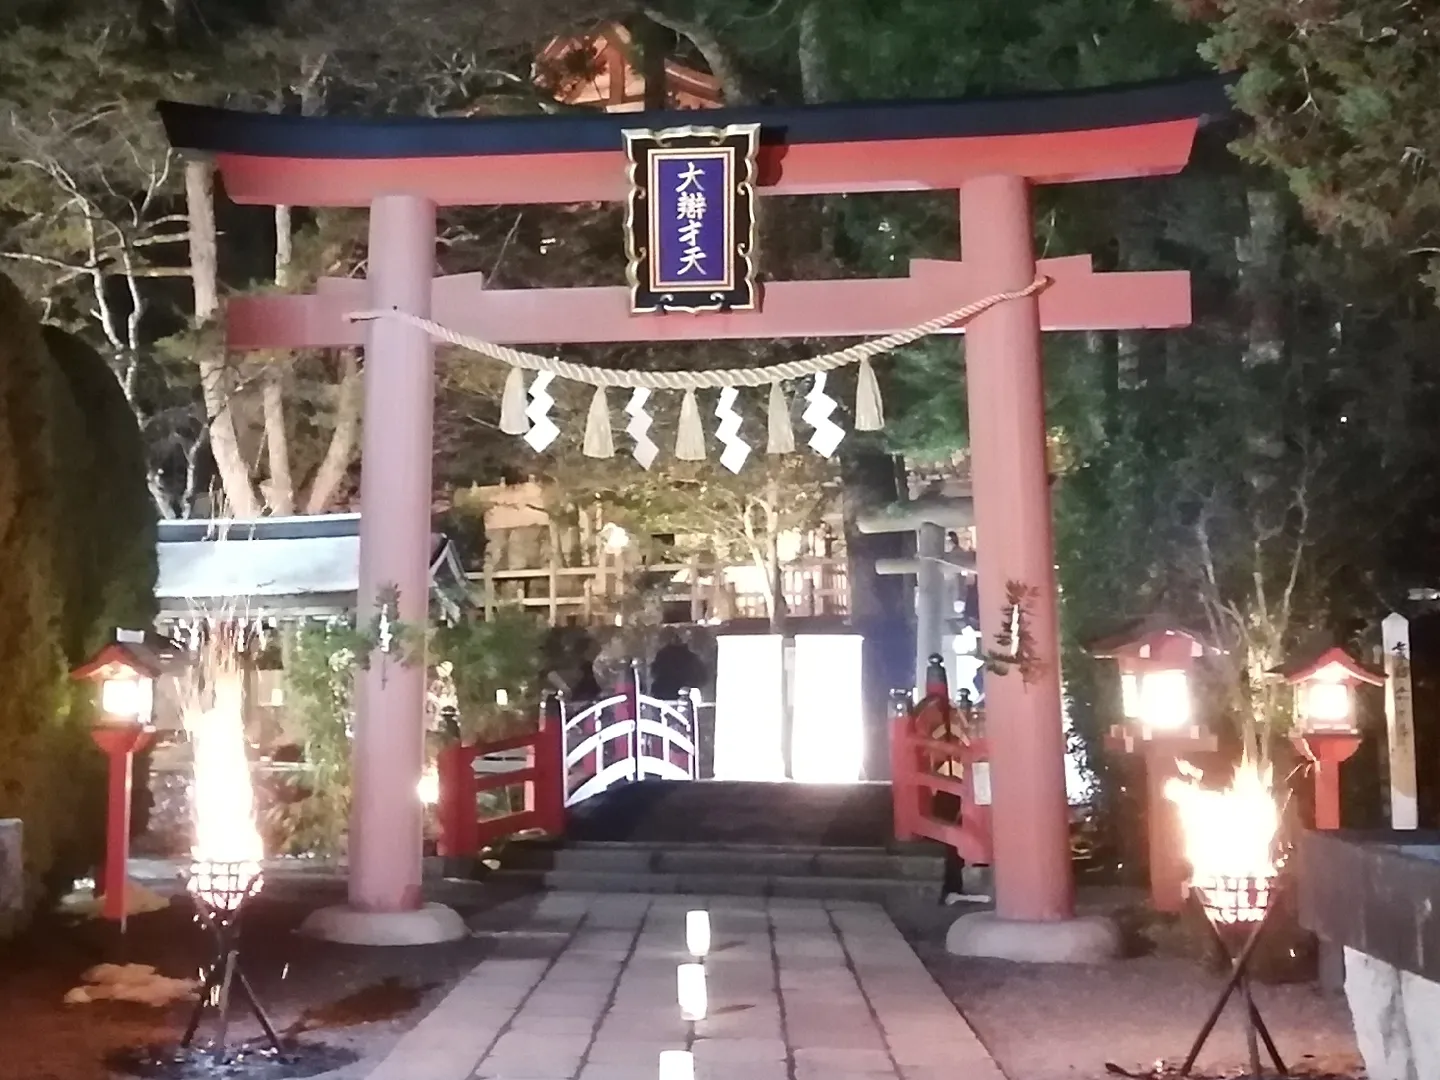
(224,975)
(1239,979)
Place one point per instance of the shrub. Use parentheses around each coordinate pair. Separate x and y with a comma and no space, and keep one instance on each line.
(67,472)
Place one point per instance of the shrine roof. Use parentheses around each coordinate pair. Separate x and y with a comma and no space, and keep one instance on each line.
(227,131)
(277,567)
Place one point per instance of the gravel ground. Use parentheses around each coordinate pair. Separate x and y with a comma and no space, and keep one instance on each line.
(356,999)
(1069,1023)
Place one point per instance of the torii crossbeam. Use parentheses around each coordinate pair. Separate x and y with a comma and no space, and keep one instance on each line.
(990,151)
(1078,299)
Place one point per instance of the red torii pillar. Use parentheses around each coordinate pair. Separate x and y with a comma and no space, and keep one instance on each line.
(1014,549)
(1034,887)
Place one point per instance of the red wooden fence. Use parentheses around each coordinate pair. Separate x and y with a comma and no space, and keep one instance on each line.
(463,832)
(934,748)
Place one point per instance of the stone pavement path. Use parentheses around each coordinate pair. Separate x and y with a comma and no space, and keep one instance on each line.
(798,990)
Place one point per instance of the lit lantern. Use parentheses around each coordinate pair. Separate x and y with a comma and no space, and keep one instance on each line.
(677,1065)
(1156,660)
(694,1001)
(125,672)
(697,933)
(1325,691)
(1327,727)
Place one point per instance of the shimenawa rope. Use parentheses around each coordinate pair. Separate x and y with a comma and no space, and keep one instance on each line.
(703,380)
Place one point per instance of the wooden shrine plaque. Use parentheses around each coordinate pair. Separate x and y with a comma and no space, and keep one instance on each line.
(690,218)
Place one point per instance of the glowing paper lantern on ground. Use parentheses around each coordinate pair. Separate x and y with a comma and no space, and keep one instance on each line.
(749,704)
(690,983)
(677,1065)
(828,739)
(697,933)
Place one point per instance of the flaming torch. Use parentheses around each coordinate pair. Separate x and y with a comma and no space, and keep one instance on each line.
(1231,844)
(226,853)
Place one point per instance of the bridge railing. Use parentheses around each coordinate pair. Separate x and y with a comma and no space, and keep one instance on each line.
(937,749)
(464,777)
(629,736)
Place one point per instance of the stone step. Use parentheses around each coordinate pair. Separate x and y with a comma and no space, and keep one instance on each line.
(738,813)
(768,861)
(887,891)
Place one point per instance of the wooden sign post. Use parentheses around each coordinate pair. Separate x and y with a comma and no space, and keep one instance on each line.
(1400,722)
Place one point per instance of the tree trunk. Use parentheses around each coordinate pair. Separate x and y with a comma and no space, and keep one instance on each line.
(778,607)
(336,463)
(870,480)
(815,81)
(650,36)
(1261,257)
(215,381)
(718,56)
(280,493)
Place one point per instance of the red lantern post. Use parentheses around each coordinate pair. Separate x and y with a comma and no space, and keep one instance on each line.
(1156,661)
(1326,728)
(125,671)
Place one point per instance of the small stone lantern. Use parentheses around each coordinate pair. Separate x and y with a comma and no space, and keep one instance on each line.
(125,672)
(1327,729)
(1157,660)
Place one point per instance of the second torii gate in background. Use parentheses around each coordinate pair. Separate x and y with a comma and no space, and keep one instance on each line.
(929,518)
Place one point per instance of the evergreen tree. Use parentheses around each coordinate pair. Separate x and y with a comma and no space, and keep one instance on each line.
(40,744)
(77,537)
(115,582)
(1342,96)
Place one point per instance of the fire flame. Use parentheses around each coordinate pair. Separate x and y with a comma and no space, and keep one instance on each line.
(1229,839)
(227,848)
(428,789)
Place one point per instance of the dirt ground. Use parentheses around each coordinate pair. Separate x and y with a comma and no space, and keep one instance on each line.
(348,997)
(1050,1023)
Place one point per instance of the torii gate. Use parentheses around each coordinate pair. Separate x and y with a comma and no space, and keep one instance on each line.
(990,151)
(928,518)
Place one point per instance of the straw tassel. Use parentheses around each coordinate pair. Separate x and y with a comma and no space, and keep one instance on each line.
(869,408)
(599,442)
(513,403)
(782,431)
(690,440)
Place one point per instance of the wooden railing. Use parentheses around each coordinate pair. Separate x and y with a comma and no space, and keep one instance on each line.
(936,749)
(463,832)
(811,585)
(622,738)
(629,736)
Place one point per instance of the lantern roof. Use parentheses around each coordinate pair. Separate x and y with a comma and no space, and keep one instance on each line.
(1144,637)
(1332,664)
(120,659)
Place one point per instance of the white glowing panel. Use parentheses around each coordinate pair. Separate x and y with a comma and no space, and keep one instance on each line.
(130,698)
(677,1065)
(690,987)
(697,933)
(1325,704)
(749,718)
(1165,700)
(828,738)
